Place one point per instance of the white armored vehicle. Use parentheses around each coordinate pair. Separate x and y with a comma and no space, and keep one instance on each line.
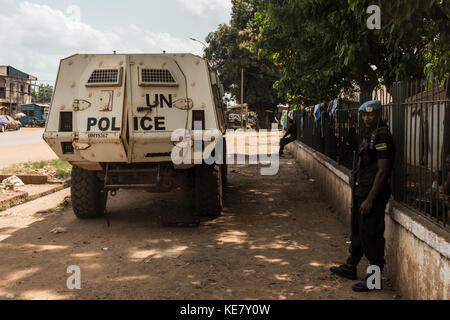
(112,117)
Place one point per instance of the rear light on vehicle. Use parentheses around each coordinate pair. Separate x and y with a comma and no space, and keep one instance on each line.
(67,147)
(65,122)
(198,120)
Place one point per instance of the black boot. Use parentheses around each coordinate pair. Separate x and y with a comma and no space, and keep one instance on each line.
(346,271)
(363,287)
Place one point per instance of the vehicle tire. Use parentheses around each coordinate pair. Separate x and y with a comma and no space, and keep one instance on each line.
(208,190)
(87,194)
(224,176)
(2,128)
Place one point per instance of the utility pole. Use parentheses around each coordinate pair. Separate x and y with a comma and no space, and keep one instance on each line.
(242,97)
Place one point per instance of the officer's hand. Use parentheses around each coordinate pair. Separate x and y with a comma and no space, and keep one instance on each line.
(366,207)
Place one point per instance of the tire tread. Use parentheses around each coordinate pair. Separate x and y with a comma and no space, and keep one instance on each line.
(87,198)
(207,201)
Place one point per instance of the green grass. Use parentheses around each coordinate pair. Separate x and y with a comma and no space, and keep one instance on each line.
(63,165)
(35,165)
(11,170)
(58,168)
(63,174)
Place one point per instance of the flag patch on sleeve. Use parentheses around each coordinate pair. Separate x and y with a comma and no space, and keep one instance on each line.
(381,147)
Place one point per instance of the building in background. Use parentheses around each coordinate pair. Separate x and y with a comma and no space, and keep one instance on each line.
(15,89)
(35,112)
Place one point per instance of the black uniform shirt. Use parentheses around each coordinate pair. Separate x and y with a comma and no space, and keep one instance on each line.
(383,148)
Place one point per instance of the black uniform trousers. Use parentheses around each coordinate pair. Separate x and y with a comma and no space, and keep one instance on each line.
(368,229)
(285,141)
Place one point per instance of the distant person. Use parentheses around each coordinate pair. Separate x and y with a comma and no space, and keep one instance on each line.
(371,195)
(290,135)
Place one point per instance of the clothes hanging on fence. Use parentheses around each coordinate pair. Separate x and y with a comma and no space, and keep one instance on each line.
(329,106)
(291,115)
(284,120)
(317,114)
(312,112)
(334,107)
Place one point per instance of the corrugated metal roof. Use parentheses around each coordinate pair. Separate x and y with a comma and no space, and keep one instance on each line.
(15,73)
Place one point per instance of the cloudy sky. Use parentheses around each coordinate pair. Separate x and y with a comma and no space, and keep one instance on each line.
(36,34)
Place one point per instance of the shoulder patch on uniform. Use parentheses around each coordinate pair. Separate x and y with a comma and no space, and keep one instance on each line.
(381,146)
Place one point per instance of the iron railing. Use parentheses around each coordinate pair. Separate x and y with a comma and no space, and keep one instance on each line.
(418,115)
(334,135)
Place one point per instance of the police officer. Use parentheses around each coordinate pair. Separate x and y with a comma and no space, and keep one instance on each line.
(371,195)
(290,135)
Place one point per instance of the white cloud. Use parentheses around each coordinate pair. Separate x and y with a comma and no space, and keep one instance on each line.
(35,37)
(207,7)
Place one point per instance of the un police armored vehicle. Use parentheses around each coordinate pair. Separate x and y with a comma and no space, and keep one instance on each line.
(114,118)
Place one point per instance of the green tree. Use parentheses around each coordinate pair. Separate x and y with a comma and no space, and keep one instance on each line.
(325,47)
(414,35)
(229,51)
(42,94)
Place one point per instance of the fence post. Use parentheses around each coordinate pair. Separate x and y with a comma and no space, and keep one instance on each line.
(399,93)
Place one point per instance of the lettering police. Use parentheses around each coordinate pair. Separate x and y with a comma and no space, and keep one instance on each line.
(144,123)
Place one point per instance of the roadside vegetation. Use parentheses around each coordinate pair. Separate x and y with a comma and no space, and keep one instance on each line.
(56,169)
(316,50)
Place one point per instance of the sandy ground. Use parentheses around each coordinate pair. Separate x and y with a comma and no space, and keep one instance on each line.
(276,239)
(23,146)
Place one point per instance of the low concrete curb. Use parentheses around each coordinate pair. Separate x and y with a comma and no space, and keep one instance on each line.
(25,197)
(27,178)
(13,201)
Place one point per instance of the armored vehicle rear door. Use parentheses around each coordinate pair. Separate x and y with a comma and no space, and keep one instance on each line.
(88,107)
(159,105)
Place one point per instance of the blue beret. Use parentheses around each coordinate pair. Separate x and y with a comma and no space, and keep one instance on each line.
(370,106)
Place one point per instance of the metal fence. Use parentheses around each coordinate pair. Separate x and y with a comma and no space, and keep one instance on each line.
(334,135)
(418,115)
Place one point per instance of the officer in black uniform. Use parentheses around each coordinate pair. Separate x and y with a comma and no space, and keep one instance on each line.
(289,136)
(371,195)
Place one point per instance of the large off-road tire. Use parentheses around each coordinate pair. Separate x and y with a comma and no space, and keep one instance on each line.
(224,176)
(208,190)
(2,128)
(87,194)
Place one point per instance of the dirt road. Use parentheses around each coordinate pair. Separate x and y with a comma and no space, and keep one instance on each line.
(276,239)
(23,146)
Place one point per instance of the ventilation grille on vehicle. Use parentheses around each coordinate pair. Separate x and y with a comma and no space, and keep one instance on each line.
(157,76)
(67,147)
(102,77)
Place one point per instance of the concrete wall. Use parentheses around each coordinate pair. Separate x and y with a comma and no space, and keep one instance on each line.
(417,251)
(333,179)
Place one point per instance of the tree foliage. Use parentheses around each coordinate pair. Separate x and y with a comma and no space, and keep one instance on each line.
(229,50)
(325,47)
(42,94)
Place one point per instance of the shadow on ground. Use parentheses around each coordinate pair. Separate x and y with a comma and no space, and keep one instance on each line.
(276,239)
